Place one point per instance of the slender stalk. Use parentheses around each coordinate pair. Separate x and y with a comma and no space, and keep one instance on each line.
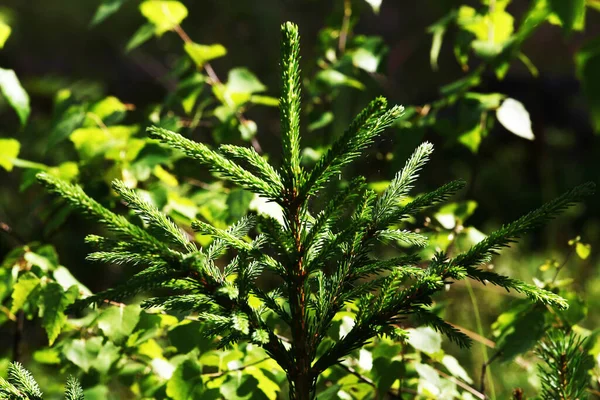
(487,371)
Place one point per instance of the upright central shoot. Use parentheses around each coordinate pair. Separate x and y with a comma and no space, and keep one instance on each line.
(324,258)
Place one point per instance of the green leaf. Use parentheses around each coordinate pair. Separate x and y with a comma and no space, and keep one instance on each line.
(240,86)
(64,278)
(9,150)
(113,142)
(68,122)
(365,59)
(14,93)
(570,13)
(109,110)
(4,33)
(105,10)
(455,368)
(264,100)
(587,61)
(425,339)
(47,356)
(201,54)
(91,353)
(334,78)
(164,15)
(515,118)
(186,382)
(241,80)
(55,301)
(117,323)
(98,392)
(518,329)
(141,36)
(23,289)
(583,250)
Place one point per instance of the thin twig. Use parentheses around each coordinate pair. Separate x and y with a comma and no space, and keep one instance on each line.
(344,31)
(561,266)
(4,227)
(484,370)
(214,80)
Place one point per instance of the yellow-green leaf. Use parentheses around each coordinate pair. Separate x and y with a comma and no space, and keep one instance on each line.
(25,286)
(114,142)
(583,250)
(164,15)
(9,150)
(201,53)
(55,301)
(186,382)
(117,323)
(4,33)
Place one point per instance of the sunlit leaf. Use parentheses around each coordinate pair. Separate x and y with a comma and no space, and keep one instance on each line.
(9,150)
(425,339)
(186,382)
(571,14)
(375,5)
(117,323)
(27,284)
(201,54)
(583,250)
(455,368)
(515,118)
(14,93)
(4,33)
(164,15)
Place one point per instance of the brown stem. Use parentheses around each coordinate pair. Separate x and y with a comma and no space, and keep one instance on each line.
(301,376)
(344,31)
(484,369)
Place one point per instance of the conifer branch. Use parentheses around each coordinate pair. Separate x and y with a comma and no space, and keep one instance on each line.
(363,129)
(73,390)
(261,167)
(79,200)
(423,201)
(153,216)
(227,236)
(227,169)
(399,187)
(289,103)
(23,381)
